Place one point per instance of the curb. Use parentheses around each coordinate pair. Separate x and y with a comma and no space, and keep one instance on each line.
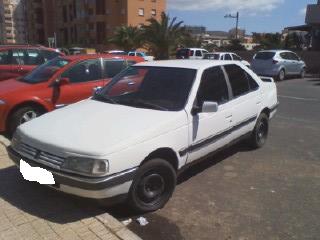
(117,228)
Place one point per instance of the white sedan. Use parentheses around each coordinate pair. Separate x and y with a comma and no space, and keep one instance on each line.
(133,137)
(226,56)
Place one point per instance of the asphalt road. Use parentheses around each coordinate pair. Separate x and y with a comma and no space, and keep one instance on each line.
(271,193)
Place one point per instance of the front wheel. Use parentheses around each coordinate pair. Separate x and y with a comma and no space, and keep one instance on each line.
(303,73)
(22,115)
(260,133)
(153,186)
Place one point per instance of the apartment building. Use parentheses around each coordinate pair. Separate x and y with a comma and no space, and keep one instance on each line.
(13,22)
(91,22)
(41,15)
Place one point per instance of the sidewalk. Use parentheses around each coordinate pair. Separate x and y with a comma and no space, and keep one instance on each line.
(31,211)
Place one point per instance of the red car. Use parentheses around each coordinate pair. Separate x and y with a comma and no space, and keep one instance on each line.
(18,60)
(57,83)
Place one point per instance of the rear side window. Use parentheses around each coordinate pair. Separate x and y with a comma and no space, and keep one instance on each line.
(213,87)
(4,57)
(17,57)
(182,53)
(264,55)
(212,56)
(238,80)
(131,54)
(113,67)
(284,55)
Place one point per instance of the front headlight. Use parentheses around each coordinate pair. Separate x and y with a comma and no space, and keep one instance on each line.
(95,167)
(2,102)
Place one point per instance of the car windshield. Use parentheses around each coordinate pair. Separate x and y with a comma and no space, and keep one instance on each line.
(264,55)
(46,71)
(158,88)
(212,56)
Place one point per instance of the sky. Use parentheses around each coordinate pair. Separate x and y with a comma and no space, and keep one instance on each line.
(255,15)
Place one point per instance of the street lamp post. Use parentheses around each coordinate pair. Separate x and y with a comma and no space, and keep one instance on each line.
(237,22)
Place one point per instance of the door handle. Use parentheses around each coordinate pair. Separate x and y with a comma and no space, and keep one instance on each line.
(230,116)
(131,83)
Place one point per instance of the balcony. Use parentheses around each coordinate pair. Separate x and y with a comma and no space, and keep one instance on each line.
(313,14)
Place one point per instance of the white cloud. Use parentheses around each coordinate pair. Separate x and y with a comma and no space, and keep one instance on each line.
(230,5)
(303,11)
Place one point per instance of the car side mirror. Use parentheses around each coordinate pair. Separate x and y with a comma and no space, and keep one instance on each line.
(64,81)
(207,107)
(210,107)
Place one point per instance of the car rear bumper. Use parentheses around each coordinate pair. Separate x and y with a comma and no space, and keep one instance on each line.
(109,187)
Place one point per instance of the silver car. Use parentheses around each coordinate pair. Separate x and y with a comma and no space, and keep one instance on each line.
(278,64)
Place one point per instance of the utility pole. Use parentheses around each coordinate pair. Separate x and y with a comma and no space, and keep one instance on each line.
(237,16)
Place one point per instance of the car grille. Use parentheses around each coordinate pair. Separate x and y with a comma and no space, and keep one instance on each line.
(37,155)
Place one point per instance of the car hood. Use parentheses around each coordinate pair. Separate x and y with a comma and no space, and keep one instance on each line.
(13,85)
(92,128)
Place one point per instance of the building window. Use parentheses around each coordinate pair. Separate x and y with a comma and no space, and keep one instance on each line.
(100,7)
(154,12)
(141,12)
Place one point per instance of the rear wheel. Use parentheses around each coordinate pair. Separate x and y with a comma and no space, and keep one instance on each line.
(281,75)
(260,133)
(22,115)
(153,185)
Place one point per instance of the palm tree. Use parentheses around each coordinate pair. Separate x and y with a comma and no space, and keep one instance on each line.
(162,37)
(127,37)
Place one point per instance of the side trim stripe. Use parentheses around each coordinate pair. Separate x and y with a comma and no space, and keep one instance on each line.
(273,108)
(216,137)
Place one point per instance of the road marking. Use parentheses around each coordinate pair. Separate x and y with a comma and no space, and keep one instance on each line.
(298,98)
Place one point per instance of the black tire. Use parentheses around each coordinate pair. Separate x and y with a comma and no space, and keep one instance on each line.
(153,186)
(18,117)
(282,75)
(260,133)
(303,73)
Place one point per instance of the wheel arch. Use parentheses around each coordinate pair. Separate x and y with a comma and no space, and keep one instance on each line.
(35,104)
(165,153)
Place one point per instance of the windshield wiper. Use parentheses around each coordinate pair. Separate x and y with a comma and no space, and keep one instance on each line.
(104,98)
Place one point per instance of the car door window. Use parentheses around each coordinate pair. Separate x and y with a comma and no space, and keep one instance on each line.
(213,87)
(48,55)
(33,57)
(293,56)
(227,57)
(198,53)
(238,80)
(17,57)
(112,67)
(85,71)
(191,53)
(139,54)
(131,54)
(285,55)
(4,57)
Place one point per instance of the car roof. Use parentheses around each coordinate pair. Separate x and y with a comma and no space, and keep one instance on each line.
(189,64)
(92,56)
(275,51)
(6,47)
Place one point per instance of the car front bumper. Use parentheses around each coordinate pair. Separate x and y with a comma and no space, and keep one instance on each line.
(114,187)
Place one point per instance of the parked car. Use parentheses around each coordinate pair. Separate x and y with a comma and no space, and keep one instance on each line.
(141,54)
(116,52)
(278,64)
(18,60)
(130,141)
(227,56)
(57,83)
(79,51)
(191,53)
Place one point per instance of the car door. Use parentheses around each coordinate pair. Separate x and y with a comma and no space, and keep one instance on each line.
(246,100)
(296,63)
(5,65)
(287,63)
(209,131)
(83,77)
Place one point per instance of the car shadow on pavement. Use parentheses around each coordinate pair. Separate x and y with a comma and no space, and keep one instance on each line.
(315,81)
(16,194)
